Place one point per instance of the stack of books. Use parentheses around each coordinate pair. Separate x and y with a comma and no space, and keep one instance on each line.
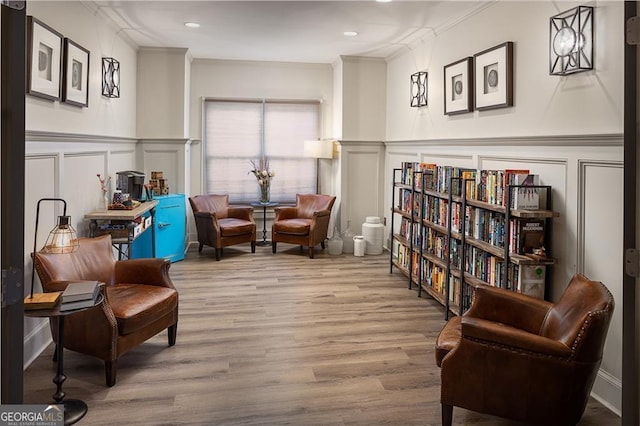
(82,294)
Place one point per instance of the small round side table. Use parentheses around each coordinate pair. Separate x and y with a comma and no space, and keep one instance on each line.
(74,409)
(264,206)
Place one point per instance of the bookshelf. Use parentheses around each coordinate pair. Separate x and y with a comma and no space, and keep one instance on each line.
(455,232)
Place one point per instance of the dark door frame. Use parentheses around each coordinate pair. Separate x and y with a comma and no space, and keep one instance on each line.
(629,328)
(12,136)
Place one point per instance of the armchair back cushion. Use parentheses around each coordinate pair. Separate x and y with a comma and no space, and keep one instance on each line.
(211,203)
(308,204)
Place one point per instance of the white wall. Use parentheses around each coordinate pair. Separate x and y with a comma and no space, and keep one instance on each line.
(566,129)
(363,98)
(260,80)
(585,103)
(163,90)
(104,116)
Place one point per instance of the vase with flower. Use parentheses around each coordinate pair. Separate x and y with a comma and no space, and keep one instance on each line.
(104,186)
(264,175)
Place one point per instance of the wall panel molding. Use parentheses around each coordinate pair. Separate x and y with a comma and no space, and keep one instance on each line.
(58,137)
(611,139)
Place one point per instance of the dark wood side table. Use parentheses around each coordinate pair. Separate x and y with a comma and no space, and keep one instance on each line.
(264,206)
(74,409)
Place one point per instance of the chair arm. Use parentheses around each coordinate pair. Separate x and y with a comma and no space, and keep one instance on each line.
(149,271)
(508,307)
(512,338)
(241,212)
(283,213)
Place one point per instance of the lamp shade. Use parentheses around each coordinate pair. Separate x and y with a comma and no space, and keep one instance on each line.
(62,238)
(318,149)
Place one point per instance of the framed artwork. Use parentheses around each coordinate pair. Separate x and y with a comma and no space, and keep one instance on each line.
(494,77)
(419,89)
(458,87)
(75,86)
(44,53)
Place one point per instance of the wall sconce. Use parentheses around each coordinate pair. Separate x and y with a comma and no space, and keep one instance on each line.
(110,78)
(571,41)
(419,89)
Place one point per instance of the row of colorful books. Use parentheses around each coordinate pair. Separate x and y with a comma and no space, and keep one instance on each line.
(483,185)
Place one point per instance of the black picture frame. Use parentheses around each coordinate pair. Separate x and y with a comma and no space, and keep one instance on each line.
(44,60)
(493,69)
(75,86)
(458,87)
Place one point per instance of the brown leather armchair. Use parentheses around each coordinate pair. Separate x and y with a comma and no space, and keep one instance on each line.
(219,225)
(305,224)
(139,300)
(523,358)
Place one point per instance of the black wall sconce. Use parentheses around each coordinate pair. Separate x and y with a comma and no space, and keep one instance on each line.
(110,78)
(419,89)
(571,41)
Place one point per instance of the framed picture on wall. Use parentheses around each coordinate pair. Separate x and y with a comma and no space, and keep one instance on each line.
(75,86)
(458,87)
(44,53)
(494,77)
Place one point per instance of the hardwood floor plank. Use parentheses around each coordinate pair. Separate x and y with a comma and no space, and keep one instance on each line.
(280,339)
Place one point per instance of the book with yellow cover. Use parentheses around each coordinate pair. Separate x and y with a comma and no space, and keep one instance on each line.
(42,300)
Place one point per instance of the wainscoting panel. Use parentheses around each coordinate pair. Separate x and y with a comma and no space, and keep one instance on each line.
(82,187)
(362,173)
(600,257)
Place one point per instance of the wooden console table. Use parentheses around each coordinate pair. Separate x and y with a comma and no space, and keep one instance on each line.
(127,217)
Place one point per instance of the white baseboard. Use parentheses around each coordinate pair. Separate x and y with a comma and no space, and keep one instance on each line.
(607,390)
(36,342)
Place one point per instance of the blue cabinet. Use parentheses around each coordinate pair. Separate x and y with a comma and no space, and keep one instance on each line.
(170,226)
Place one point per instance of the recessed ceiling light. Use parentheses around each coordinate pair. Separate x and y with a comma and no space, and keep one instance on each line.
(192,24)
(350,33)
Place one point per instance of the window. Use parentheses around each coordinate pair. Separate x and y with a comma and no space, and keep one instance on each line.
(237,132)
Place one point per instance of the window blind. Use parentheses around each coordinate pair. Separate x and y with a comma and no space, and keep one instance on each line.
(237,132)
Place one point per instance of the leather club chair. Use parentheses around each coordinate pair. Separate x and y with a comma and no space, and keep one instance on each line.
(220,225)
(522,358)
(305,224)
(140,300)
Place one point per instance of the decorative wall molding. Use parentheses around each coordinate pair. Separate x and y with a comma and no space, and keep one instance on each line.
(583,165)
(58,137)
(612,139)
(167,141)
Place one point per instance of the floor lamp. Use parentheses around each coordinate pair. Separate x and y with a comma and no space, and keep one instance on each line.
(318,149)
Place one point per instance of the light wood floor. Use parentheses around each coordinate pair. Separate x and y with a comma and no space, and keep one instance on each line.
(279,339)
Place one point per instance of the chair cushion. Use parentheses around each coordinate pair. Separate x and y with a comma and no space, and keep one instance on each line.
(230,227)
(298,226)
(137,305)
(448,339)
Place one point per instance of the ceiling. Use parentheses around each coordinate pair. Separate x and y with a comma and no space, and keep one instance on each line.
(290,31)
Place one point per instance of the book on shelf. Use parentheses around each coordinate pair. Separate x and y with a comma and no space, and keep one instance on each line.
(81,290)
(508,180)
(531,280)
(525,198)
(42,300)
(527,236)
